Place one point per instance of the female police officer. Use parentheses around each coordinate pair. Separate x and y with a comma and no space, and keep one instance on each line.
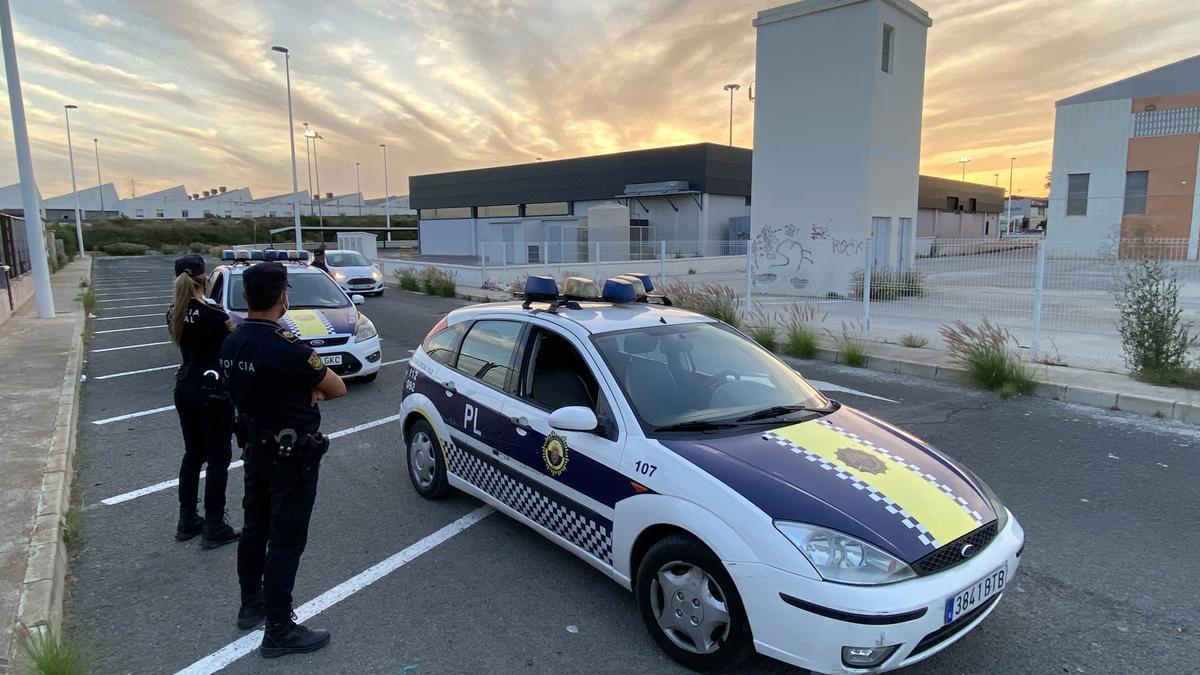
(205,413)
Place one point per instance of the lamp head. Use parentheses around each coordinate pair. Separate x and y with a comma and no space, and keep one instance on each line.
(732,87)
(71,106)
(281,50)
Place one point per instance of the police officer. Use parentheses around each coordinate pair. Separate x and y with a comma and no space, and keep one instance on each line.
(205,414)
(319,260)
(275,382)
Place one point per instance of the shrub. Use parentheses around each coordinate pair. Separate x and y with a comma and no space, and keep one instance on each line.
(800,338)
(987,353)
(50,654)
(913,340)
(711,299)
(889,284)
(168,249)
(435,281)
(72,527)
(1188,378)
(125,248)
(408,279)
(198,247)
(763,332)
(851,345)
(1154,335)
(89,300)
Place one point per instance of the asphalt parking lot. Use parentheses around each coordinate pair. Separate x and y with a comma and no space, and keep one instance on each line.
(1108,502)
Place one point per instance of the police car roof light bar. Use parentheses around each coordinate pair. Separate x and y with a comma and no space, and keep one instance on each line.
(241,254)
(637,285)
(257,255)
(271,254)
(619,291)
(227,254)
(580,288)
(644,278)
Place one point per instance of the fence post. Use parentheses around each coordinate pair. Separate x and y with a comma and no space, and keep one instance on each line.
(482,246)
(503,256)
(868,263)
(749,282)
(663,262)
(596,261)
(546,257)
(1039,280)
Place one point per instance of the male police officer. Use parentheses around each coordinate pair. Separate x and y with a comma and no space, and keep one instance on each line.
(319,260)
(275,382)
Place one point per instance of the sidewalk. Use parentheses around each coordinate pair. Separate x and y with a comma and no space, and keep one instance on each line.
(43,359)
(1073,385)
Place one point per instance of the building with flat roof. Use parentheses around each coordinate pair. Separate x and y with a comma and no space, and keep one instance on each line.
(1127,160)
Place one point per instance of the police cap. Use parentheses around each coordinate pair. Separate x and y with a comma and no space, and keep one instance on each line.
(265,277)
(193,265)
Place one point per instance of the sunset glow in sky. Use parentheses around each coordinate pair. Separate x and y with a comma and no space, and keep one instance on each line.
(187,91)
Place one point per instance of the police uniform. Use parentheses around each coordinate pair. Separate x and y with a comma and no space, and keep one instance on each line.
(271,375)
(320,263)
(205,417)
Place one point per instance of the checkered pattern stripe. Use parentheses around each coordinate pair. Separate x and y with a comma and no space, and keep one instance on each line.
(910,466)
(888,505)
(578,528)
(291,325)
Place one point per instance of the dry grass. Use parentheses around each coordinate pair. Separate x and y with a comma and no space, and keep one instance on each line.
(711,299)
(987,352)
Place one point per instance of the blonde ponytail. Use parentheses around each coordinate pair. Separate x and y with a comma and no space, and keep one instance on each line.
(186,287)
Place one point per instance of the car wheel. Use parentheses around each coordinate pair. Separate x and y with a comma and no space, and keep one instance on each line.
(691,607)
(426,463)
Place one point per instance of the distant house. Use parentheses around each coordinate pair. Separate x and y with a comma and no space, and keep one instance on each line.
(953,209)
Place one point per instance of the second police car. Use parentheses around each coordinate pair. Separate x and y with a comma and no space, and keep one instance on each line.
(746,511)
(319,312)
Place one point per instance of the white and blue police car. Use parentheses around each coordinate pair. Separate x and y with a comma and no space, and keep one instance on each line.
(319,312)
(745,510)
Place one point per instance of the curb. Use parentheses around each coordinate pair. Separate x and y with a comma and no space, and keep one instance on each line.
(41,595)
(1148,406)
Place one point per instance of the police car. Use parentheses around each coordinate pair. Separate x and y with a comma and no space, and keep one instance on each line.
(745,510)
(354,273)
(319,311)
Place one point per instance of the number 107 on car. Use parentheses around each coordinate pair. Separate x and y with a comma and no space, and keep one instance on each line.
(975,595)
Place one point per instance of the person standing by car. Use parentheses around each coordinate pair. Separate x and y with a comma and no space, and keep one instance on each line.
(275,381)
(205,414)
(319,260)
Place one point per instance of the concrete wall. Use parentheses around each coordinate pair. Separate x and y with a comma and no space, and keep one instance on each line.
(456,236)
(957,225)
(1090,138)
(22,291)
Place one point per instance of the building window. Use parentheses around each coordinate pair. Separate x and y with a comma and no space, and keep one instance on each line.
(159,213)
(184,213)
(507,211)
(1077,193)
(951,203)
(229,214)
(889,44)
(971,204)
(270,214)
(446,213)
(139,213)
(548,209)
(1135,192)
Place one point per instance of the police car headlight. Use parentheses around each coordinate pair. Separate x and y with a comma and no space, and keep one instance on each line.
(365,330)
(997,506)
(844,559)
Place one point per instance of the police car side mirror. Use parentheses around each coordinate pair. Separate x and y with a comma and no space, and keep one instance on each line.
(573,418)
(357,299)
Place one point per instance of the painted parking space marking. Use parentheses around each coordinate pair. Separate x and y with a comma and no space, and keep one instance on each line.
(153,304)
(125,330)
(829,386)
(233,651)
(117,349)
(134,372)
(127,316)
(168,484)
(142,297)
(143,413)
(132,291)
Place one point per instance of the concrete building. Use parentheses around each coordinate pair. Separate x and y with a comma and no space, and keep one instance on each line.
(952,209)
(1028,213)
(575,209)
(1127,160)
(837,138)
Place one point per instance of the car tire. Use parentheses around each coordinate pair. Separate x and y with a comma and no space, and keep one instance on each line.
(425,461)
(703,594)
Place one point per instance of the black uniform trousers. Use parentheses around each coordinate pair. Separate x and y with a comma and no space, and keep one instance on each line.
(278,505)
(207,428)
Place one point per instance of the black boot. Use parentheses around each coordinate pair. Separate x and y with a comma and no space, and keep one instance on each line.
(190,524)
(288,637)
(217,531)
(253,611)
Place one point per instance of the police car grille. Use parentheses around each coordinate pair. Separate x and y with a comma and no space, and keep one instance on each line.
(330,341)
(361,282)
(951,554)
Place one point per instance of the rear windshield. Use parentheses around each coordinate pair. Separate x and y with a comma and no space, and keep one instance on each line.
(348,259)
(305,291)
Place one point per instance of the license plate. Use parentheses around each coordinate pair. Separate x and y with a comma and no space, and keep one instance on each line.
(335,360)
(975,595)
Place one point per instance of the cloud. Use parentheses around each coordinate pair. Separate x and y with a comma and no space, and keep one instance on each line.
(62,62)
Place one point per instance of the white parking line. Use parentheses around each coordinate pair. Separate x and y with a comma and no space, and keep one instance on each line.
(118,418)
(127,316)
(143,297)
(829,386)
(134,372)
(392,363)
(153,304)
(132,291)
(167,484)
(125,330)
(117,349)
(235,650)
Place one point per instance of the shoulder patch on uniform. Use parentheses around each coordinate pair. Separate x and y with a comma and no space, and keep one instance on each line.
(315,361)
(230,325)
(286,335)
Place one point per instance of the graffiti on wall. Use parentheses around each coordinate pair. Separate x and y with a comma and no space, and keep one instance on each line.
(848,247)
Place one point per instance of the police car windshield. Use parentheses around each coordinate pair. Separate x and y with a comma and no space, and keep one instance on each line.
(350,259)
(305,291)
(677,375)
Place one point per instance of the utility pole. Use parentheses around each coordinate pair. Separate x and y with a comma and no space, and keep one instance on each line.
(74,189)
(387,198)
(1008,209)
(358,186)
(287,68)
(308,162)
(99,181)
(317,170)
(731,88)
(35,234)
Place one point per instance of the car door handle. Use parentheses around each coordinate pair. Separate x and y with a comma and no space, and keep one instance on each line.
(521,424)
(450,388)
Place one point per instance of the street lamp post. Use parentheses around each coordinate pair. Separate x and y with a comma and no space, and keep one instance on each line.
(99,181)
(1008,209)
(964,161)
(387,197)
(732,87)
(308,162)
(287,69)
(997,177)
(74,189)
(358,186)
(35,234)
(317,170)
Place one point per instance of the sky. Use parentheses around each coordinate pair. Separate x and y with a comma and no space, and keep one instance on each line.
(189,91)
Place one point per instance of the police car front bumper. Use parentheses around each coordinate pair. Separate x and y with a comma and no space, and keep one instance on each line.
(819,620)
(352,359)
